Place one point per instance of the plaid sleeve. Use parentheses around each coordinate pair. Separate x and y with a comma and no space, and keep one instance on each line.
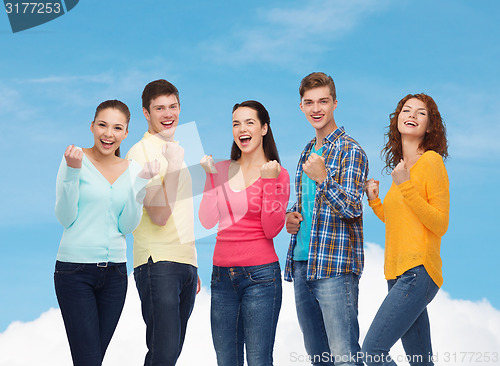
(342,190)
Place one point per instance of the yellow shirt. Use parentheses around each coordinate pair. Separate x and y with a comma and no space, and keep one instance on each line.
(175,241)
(416,215)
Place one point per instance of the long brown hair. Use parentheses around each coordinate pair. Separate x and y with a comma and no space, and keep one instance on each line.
(268,143)
(434,139)
(119,106)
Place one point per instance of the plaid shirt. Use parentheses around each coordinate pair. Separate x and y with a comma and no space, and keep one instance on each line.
(336,244)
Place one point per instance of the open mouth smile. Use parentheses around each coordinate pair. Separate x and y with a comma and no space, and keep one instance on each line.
(107,144)
(245,140)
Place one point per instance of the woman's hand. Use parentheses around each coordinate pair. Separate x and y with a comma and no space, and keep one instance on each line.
(371,189)
(207,162)
(73,156)
(150,169)
(400,173)
(271,169)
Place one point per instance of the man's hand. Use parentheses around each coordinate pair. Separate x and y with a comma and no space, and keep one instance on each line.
(315,168)
(174,155)
(293,220)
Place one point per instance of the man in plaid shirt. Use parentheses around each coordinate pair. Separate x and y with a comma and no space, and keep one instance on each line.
(325,258)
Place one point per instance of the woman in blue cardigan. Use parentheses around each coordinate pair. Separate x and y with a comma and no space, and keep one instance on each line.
(98,201)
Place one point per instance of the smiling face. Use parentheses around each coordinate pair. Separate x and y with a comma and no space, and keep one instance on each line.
(163,115)
(247,130)
(318,106)
(413,120)
(109,127)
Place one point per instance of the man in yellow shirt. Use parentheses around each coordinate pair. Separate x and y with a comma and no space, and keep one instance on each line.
(165,268)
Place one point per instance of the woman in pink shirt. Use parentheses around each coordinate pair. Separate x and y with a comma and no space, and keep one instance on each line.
(247,196)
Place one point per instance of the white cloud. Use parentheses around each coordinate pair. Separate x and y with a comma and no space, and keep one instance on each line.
(463,331)
(291,35)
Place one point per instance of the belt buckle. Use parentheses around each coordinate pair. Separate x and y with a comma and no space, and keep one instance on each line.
(102,264)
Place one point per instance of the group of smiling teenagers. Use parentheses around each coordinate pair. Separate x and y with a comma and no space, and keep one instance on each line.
(100,198)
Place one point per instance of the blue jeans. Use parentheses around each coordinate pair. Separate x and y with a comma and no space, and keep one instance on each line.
(91,299)
(327,310)
(167,291)
(403,314)
(245,306)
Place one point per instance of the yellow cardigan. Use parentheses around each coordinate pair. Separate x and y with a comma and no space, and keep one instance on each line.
(416,215)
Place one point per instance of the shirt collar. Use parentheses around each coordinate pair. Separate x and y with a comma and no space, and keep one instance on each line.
(339,131)
(155,139)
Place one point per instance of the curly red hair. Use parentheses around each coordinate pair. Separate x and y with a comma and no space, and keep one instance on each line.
(434,139)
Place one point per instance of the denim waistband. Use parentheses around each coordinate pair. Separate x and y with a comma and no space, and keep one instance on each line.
(247,268)
(100,264)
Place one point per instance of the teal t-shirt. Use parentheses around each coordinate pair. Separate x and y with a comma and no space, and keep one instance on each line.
(301,250)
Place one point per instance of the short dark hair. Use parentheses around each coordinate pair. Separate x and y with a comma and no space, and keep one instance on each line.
(317,80)
(268,143)
(119,106)
(156,88)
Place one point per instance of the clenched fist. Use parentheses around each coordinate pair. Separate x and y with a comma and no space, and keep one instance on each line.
(208,164)
(73,156)
(150,169)
(371,189)
(174,154)
(315,168)
(271,169)
(293,220)
(401,173)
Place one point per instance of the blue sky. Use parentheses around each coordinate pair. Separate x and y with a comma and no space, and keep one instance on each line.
(218,53)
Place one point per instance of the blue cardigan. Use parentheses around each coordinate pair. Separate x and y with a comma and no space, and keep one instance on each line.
(97,215)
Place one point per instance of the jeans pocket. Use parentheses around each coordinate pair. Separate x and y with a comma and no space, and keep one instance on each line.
(262,274)
(68,267)
(121,268)
(432,290)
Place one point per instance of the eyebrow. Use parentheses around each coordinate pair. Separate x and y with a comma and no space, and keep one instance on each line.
(114,124)
(163,105)
(320,99)
(246,120)
(418,109)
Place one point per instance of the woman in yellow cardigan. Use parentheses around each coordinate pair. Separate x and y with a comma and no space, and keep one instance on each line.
(415,212)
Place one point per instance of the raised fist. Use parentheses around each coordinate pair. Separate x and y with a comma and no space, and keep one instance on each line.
(174,154)
(271,169)
(371,189)
(73,156)
(207,162)
(150,169)
(315,168)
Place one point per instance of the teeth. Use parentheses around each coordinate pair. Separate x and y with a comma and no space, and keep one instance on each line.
(411,124)
(167,123)
(106,142)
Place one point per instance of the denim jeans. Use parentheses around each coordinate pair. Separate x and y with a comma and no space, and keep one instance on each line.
(327,310)
(167,291)
(403,314)
(245,306)
(91,300)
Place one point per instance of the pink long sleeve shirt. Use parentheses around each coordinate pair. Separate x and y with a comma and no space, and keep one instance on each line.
(248,219)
